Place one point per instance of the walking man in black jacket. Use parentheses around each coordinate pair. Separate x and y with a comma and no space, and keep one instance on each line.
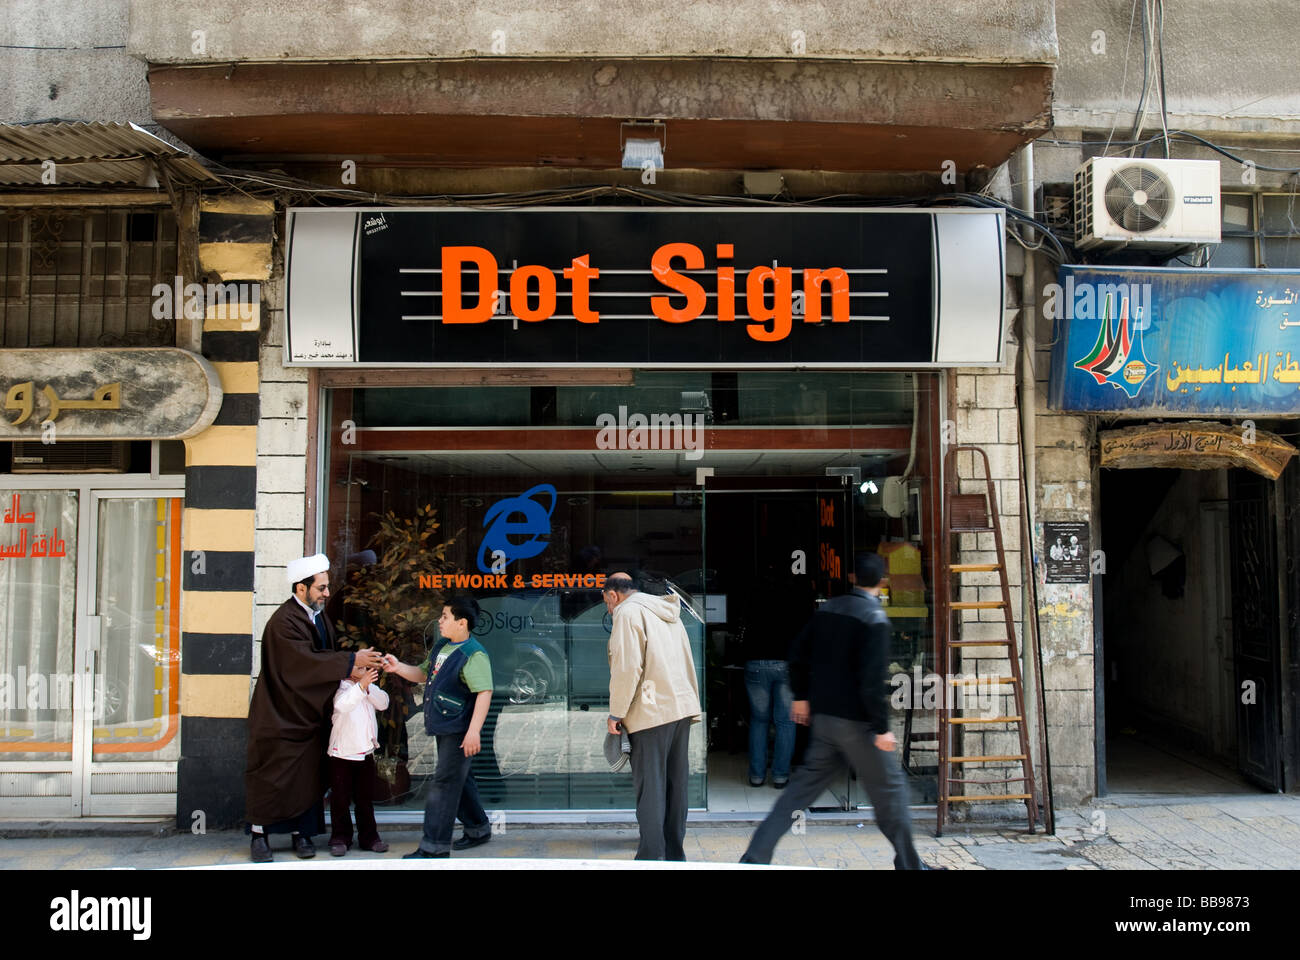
(837,672)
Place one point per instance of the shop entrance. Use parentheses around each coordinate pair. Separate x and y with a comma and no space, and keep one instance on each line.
(1191,632)
(774,549)
(89,646)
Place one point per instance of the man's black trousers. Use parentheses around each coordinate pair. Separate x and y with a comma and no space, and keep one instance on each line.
(834,742)
(661,769)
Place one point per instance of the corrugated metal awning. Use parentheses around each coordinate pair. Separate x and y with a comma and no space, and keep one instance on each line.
(91,154)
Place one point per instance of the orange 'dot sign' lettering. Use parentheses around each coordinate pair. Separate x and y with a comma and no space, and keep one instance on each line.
(768,323)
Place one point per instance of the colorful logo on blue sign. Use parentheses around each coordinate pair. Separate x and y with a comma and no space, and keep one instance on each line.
(1117,357)
(501,523)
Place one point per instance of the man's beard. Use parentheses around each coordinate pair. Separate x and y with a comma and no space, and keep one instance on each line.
(319,605)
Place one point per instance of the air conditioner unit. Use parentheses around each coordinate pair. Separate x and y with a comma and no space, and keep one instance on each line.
(1120,201)
(91,456)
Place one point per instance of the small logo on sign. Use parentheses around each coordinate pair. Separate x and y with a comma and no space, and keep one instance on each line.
(375,224)
(1135,372)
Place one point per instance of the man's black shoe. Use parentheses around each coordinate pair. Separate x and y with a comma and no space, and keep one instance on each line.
(464,843)
(419,854)
(260,852)
(303,847)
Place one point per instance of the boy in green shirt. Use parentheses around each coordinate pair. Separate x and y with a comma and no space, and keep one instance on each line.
(457,694)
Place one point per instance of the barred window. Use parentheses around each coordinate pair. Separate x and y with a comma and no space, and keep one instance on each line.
(85,277)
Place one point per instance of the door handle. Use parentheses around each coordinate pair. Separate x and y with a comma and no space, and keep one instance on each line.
(92,644)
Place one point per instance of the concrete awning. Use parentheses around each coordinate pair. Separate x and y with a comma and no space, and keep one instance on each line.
(855,86)
(725,114)
(91,154)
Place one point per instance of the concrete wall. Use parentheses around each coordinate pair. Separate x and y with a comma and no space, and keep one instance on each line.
(1228,74)
(1012,31)
(1227,65)
(67,60)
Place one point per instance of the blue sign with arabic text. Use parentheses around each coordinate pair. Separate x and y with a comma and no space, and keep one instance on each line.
(1155,341)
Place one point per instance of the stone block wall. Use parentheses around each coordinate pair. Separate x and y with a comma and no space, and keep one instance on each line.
(282,442)
(985,413)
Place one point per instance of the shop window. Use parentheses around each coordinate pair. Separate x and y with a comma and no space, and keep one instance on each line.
(413,484)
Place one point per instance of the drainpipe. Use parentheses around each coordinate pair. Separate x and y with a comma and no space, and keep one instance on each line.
(1028,342)
(1029,507)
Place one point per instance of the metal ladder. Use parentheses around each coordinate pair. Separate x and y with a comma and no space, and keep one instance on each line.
(965,513)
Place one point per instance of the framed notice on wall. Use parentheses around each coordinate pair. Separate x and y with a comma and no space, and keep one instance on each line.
(1067,552)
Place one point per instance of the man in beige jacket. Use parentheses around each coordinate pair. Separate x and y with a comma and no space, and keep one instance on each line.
(655,696)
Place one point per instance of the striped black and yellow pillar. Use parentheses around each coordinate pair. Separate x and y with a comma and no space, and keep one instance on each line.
(219,523)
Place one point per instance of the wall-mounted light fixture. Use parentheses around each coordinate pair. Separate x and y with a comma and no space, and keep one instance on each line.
(641,141)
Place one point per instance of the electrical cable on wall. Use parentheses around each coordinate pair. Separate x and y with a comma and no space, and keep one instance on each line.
(294,191)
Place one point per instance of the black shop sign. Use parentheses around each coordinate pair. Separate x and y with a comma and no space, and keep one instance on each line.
(634,287)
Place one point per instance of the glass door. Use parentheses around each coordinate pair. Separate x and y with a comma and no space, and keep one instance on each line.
(38,627)
(132,654)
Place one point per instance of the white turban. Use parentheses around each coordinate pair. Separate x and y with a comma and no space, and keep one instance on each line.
(305,567)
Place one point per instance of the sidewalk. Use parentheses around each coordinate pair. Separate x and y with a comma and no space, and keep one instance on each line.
(1253,832)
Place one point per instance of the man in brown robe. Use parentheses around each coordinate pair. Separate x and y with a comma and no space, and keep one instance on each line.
(289,716)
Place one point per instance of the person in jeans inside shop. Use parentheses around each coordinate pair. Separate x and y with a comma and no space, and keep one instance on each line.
(768,631)
(457,695)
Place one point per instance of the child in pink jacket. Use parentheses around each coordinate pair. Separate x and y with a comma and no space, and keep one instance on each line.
(353,739)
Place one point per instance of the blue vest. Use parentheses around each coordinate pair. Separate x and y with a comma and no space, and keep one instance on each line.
(448,702)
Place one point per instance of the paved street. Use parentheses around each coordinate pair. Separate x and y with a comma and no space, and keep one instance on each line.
(1255,832)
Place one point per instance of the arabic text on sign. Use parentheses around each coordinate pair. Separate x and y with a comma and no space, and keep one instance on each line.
(1285,370)
(22,398)
(42,545)
(15,514)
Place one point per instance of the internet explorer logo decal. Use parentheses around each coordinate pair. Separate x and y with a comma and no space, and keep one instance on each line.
(497,546)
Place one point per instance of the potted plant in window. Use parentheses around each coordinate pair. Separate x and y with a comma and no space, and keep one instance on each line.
(386,607)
